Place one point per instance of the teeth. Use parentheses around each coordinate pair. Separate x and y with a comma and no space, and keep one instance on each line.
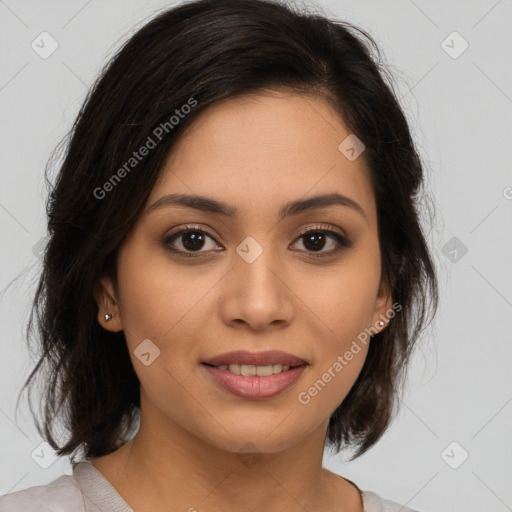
(249,370)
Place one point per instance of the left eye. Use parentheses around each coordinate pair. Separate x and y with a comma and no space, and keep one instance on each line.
(192,240)
(315,239)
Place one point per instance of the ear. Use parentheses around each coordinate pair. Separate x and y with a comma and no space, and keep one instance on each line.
(107,303)
(383,307)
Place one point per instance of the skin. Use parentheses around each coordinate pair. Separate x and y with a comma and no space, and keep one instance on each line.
(254,152)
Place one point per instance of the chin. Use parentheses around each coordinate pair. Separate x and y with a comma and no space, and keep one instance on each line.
(254,440)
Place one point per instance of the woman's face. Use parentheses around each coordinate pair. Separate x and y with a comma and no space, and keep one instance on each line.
(249,281)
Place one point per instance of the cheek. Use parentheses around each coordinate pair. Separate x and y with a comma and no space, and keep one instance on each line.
(159,301)
(341,301)
(344,311)
(340,308)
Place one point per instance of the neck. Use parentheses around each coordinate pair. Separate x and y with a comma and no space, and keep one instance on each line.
(183,472)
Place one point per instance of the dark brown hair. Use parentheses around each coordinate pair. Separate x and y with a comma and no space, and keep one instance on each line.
(210,50)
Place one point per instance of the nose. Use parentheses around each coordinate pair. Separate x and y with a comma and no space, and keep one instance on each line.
(258,294)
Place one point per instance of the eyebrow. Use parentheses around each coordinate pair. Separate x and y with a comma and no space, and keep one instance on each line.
(292,208)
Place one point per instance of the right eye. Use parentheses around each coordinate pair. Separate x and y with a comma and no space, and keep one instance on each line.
(191,240)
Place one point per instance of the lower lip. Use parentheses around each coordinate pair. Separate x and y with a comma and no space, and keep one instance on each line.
(255,388)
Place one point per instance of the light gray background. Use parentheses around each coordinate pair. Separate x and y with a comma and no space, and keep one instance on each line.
(461,111)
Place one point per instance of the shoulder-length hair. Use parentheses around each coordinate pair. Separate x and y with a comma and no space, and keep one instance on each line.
(197,54)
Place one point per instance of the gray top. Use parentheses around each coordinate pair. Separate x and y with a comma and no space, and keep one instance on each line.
(87,490)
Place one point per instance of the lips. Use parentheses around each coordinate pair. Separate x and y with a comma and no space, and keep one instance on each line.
(270,357)
(255,387)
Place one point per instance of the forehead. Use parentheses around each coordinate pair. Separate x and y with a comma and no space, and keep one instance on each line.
(256,151)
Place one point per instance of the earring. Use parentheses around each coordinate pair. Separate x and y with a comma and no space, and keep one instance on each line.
(380,324)
(108,317)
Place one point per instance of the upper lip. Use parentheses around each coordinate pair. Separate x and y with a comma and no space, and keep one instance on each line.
(256,358)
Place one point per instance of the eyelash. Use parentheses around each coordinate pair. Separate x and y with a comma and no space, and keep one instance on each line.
(324,229)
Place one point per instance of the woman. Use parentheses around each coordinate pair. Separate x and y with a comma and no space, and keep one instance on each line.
(235,273)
